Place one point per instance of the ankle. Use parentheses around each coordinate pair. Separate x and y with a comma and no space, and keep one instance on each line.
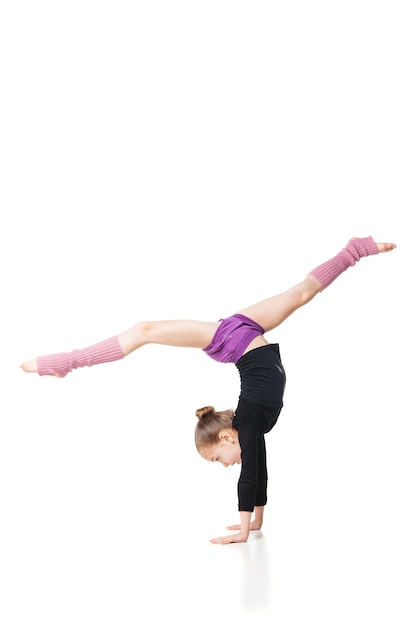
(360,247)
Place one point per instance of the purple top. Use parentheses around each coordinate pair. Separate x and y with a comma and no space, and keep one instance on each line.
(232,338)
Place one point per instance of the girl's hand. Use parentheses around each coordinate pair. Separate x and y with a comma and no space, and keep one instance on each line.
(255,524)
(252,526)
(238,538)
(244,527)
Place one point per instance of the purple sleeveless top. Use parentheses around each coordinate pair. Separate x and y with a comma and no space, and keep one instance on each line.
(232,338)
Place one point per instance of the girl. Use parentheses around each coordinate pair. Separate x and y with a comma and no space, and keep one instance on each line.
(229,437)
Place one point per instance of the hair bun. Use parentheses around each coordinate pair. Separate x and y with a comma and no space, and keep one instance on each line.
(204,412)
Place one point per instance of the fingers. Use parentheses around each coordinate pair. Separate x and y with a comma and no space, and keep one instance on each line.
(218,540)
(238,538)
(226,540)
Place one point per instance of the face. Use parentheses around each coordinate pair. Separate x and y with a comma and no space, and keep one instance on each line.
(227,451)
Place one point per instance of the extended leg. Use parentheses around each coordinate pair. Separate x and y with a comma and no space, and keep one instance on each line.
(181,333)
(271,312)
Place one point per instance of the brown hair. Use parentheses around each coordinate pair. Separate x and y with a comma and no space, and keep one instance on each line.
(210,423)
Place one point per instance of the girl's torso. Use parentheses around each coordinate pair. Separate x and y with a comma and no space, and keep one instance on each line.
(258,342)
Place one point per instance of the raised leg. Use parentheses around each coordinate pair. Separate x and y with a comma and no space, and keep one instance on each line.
(181,333)
(271,312)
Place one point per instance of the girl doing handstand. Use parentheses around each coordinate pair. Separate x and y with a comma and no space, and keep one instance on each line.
(231,436)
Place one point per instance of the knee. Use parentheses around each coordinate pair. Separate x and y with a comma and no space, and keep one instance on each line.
(143,332)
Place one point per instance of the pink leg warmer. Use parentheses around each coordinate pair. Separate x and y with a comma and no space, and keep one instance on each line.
(103,352)
(354,251)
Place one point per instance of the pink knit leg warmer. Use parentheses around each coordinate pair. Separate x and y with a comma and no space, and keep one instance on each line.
(327,272)
(103,352)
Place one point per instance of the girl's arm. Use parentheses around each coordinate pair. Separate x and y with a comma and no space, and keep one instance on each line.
(259,518)
(256,523)
(251,487)
(244,527)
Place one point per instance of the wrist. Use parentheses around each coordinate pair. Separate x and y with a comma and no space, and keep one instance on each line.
(245,523)
(259,515)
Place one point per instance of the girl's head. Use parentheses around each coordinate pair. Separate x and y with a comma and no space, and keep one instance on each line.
(215,438)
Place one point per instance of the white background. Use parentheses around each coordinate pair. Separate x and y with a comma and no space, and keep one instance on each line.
(186,159)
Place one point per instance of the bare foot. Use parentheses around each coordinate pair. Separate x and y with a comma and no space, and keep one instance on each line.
(385,247)
(30,366)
